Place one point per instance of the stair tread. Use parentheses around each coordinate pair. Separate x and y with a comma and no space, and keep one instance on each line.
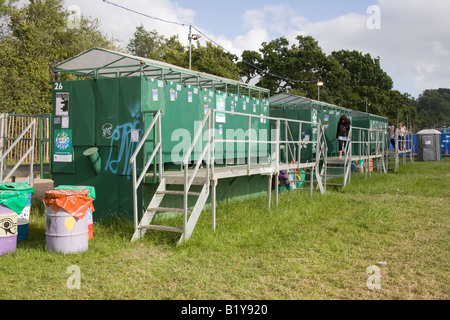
(162,228)
(173,192)
(168,209)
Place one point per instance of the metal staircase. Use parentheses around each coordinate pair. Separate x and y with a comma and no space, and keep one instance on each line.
(199,171)
(189,177)
(339,168)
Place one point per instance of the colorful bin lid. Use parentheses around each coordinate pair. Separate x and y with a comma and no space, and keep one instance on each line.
(14,200)
(74,202)
(17,186)
(69,187)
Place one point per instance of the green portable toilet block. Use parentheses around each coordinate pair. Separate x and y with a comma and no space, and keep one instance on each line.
(289,106)
(368,121)
(100,118)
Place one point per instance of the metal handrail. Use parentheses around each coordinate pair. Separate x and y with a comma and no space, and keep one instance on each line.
(277,139)
(347,163)
(205,152)
(157,150)
(29,150)
(191,148)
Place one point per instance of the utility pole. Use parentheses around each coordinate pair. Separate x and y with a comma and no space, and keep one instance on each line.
(190,46)
(191,37)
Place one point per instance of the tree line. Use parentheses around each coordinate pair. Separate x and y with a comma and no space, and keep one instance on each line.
(36,36)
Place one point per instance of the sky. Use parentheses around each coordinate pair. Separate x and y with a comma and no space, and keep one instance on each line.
(411,37)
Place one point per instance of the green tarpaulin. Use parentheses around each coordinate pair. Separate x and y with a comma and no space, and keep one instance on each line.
(14,195)
(17,186)
(68,187)
(14,200)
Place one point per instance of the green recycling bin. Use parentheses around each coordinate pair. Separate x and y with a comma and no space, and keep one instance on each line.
(89,212)
(23,219)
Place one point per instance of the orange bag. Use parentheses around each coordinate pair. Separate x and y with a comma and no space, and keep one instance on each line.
(74,202)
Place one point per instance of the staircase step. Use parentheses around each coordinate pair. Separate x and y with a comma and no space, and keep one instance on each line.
(162,209)
(163,228)
(179,180)
(178,193)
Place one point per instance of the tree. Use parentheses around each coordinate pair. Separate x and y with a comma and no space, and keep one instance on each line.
(36,37)
(209,59)
(297,67)
(147,44)
(249,66)
(433,108)
(214,60)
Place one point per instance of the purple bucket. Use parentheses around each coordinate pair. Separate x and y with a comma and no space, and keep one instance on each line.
(8,230)
(65,233)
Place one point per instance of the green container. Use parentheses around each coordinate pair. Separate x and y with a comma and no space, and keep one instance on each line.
(367,121)
(101,118)
(94,158)
(298,108)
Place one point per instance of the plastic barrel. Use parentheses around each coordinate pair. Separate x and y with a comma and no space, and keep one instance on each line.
(8,230)
(64,233)
(24,220)
(88,212)
(24,217)
(66,220)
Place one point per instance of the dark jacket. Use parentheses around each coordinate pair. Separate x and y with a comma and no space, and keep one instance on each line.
(343,129)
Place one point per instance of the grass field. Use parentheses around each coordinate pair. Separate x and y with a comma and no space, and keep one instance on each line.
(315,247)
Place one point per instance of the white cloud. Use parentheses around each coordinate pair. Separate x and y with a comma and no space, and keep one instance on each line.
(251,40)
(413,41)
(121,24)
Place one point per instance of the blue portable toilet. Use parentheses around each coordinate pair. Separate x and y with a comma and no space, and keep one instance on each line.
(445,142)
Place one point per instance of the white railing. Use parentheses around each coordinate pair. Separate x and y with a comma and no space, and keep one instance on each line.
(188,181)
(30,150)
(293,156)
(157,150)
(368,139)
(347,158)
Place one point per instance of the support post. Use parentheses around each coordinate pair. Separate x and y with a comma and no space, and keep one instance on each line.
(213,204)
(269,191)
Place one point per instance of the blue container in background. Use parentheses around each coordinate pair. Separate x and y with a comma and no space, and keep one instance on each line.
(445,142)
(23,221)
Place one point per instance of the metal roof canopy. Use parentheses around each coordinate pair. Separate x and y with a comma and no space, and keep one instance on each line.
(290,101)
(287,100)
(99,63)
(282,100)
